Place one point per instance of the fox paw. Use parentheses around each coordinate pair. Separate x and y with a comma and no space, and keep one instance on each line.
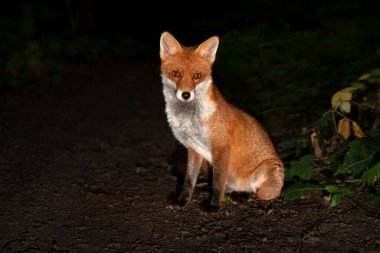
(184,198)
(215,204)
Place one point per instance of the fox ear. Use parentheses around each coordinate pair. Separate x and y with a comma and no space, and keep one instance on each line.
(169,46)
(207,49)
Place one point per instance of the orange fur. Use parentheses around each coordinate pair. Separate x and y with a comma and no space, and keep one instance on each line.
(240,151)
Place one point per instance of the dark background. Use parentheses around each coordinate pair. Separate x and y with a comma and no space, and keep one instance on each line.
(190,21)
(305,50)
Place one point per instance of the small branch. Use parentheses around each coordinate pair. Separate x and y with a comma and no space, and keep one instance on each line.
(362,160)
(364,105)
(326,113)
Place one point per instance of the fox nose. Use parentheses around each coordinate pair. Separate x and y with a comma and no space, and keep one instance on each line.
(186,95)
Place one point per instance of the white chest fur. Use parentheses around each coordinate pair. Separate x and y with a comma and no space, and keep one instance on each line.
(185,118)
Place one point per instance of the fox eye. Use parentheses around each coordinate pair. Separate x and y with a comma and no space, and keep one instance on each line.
(197,75)
(176,73)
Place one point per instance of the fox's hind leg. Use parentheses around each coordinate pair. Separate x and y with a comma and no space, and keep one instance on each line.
(194,162)
(268,179)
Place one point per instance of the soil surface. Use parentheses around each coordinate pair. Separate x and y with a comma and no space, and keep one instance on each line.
(89,166)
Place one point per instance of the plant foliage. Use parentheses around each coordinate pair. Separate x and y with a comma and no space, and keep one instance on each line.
(347,155)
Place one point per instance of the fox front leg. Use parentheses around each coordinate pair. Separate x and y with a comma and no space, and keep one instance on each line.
(194,162)
(219,180)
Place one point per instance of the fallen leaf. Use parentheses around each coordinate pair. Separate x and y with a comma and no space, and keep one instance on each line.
(332,145)
(315,144)
(364,77)
(357,130)
(327,200)
(344,128)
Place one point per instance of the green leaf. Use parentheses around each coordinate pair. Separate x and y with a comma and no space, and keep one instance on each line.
(298,190)
(307,159)
(294,192)
(372,175)
(336,198)
(288,174)
(374,133)
(346,192)
(302,168)
(341,170)
(293,168)
(332,188)
(303,172)
(313,188)
(227,198)
(372,80)
(375,72)
(356,157)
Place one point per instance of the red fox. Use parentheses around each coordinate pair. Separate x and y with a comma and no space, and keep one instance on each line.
(234,143)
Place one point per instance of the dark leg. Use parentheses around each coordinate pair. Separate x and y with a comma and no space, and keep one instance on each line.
(220,173)
(194,162)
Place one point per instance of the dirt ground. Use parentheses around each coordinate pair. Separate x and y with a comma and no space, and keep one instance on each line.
(88,167)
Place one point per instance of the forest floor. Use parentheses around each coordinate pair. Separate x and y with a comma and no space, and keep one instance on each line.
(86,167)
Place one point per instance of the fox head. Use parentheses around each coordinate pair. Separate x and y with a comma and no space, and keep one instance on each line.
(186,71)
